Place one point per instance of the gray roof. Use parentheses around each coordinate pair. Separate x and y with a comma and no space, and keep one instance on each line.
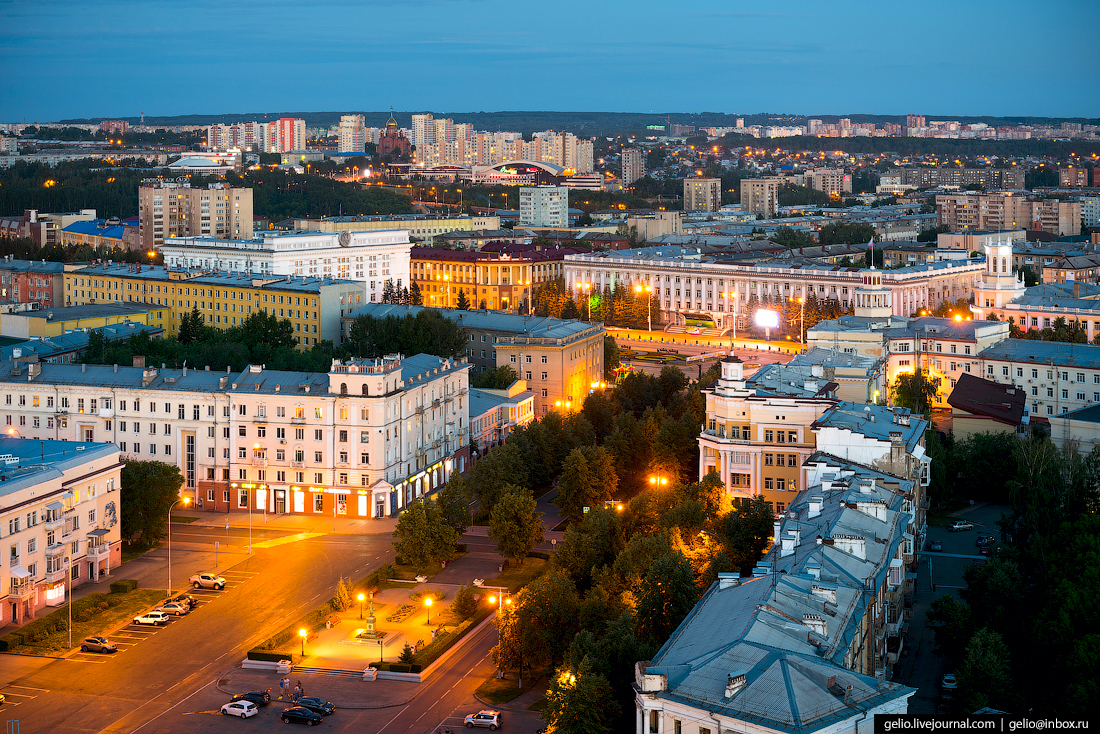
(73,341)
(534,327)
(857,417)
(92,311)
(32,266)
(35,462)
(760,626)
(1043,352)
(214,278)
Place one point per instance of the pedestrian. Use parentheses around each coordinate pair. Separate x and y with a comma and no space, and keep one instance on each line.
(297,693)
(301,690)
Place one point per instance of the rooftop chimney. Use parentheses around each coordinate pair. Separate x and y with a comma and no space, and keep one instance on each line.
(815,505)
(735,682)
(728,580)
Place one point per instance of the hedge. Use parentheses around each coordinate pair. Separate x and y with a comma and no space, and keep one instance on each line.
(460,547)
(539,554)
(398,667)
(123,585)
(274,657)
(444,642)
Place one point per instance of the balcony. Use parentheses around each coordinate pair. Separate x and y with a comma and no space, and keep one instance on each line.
(55,576)
(715,436)
(298,421)
(106,413)
(99,551)
(57,523)
(259,419)
(259,461)
(22,587)
(298,464)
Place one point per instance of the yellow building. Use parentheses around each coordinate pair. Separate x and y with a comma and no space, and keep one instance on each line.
(315,306)
(421,226)
(50,322)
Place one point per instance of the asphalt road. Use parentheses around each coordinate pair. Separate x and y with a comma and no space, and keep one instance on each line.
(157,671)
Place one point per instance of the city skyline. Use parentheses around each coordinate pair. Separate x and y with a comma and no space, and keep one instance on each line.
(112,59)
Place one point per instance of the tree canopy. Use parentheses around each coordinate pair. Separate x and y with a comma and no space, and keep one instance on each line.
(148,490)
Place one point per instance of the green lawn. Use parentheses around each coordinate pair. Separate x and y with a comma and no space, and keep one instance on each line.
(941,516)
(516,577)
(500,691)
(133,602)
(539,705)
(183,519)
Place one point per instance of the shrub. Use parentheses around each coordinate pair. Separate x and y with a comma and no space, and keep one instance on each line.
(274,657)
(103,606)
(113,601)
(460,547)
(399,560)
(418,596)
(406,655)
(123,585)
(465,603)
(539,554)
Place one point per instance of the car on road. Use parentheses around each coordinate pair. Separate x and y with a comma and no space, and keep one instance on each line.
(244,709)
(153,618)
(960,525)
(97,644)
(260,698)
(937,545)
(317,705)
(985,550)
(486,719)
(175,608)
(300,715)
(983,539)
(207,580)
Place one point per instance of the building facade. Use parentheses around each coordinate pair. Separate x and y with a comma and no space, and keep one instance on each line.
(169,209)
(544,206)
(353,134)
(286,134)
(363,440)
(633,165)
(31,281)
(314,305)
(702,194)
(761,196)
(59,521)
(1007,210)
(420,226)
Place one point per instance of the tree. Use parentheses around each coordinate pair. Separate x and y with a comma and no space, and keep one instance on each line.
(914,390)
(497,378)
(416,298)
(342,600)
(514,524)
(579,701)
(547,610)
(587,479)
(612,357)
(667,594)
(985,677)
(465,602)
(745,532)
(452,501)
(463,302)
(589,546)
(148,490)
(422,536)
(492,473)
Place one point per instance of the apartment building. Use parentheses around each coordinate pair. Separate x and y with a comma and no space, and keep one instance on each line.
(170,209)
(284,135)
(1055,377)
(420,226)
(314,305)
(543,206)
(633,165)
(1072,177)
(991,178)
(975,240)
(43,229)
(702,194)
(832,181)
(59,520)
(353,134)
(559,359)
(363,440)
(1007,210)
(57,321)
(504,281)
(809,641)
(761,196)
(372,257)
(710,288)
(494,414)
(31,281)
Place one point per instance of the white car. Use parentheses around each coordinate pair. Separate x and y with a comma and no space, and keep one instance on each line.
(485,719)
(154,618)
(244,709)
(207,581)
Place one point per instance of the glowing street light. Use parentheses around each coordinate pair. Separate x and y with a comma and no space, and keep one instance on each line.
(649,301)
(302,633)
(186,501)
(428,604)
(657,480)
(361,598)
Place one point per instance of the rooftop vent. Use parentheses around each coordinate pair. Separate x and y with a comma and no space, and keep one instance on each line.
(735,682)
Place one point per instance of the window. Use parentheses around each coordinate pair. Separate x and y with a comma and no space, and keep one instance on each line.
(299,434)
(989,370)
(1080,396)
(768,461)
(317,457)
(768,436)
(318,502)
(1004,371)
(767,483)
(318,435)
(1065,394)
(792,459)
(781,483)
(544,375)
(1019,371)
(1050,392)
(544,359)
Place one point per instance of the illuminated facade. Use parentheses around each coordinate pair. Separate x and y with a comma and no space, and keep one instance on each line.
(363,440)
(167,209)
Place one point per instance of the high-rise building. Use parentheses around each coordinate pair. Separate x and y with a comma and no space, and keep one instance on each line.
(760,196)
(423,132)
(543,206)
(353,134)
(915,121)
(285,135)
(702,194)
(832,181)
(964,211)
(177,210)
(632,165)
(1073,177)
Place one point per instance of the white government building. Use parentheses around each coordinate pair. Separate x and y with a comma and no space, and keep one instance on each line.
(371,257)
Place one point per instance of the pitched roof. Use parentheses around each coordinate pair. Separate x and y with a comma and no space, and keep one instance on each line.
(1003,403)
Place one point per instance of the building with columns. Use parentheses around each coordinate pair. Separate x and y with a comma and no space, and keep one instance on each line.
(692,282)
(363,440)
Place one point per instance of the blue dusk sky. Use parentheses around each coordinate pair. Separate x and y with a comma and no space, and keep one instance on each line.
(111,58)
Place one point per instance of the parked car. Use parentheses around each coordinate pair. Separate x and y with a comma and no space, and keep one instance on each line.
(97,644)
(948,682)
(244,709)
(187,599)
(206,580)
(317,705)
(960,525)
(260,698)
(175,608)
(985,550)
(154,618)
(983,539)
(937,545)
(300,715)
(486,719)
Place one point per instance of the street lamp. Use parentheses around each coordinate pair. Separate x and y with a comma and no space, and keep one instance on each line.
(302,634)
(658,480)
(361,598)
(801,318)
(649,301)
(428,604)
(587,296)
(186,501)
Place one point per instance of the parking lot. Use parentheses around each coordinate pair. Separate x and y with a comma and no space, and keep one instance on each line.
(131,635)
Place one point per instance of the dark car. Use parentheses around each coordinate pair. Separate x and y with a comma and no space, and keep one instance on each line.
(937,545)
(983,539)
(260,698)
(317,705)
(186,599)
(985,550)
(300,715)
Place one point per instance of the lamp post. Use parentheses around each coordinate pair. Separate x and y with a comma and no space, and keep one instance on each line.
(657,480)
(801,318)
(733,307)
(648,290)
(186,501)
(587,287)
(302,634)
(428,605)
(361,598)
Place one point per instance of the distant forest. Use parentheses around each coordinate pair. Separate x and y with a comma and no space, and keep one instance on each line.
(588,123)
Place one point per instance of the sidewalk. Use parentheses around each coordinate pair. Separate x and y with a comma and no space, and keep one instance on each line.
(291,522)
